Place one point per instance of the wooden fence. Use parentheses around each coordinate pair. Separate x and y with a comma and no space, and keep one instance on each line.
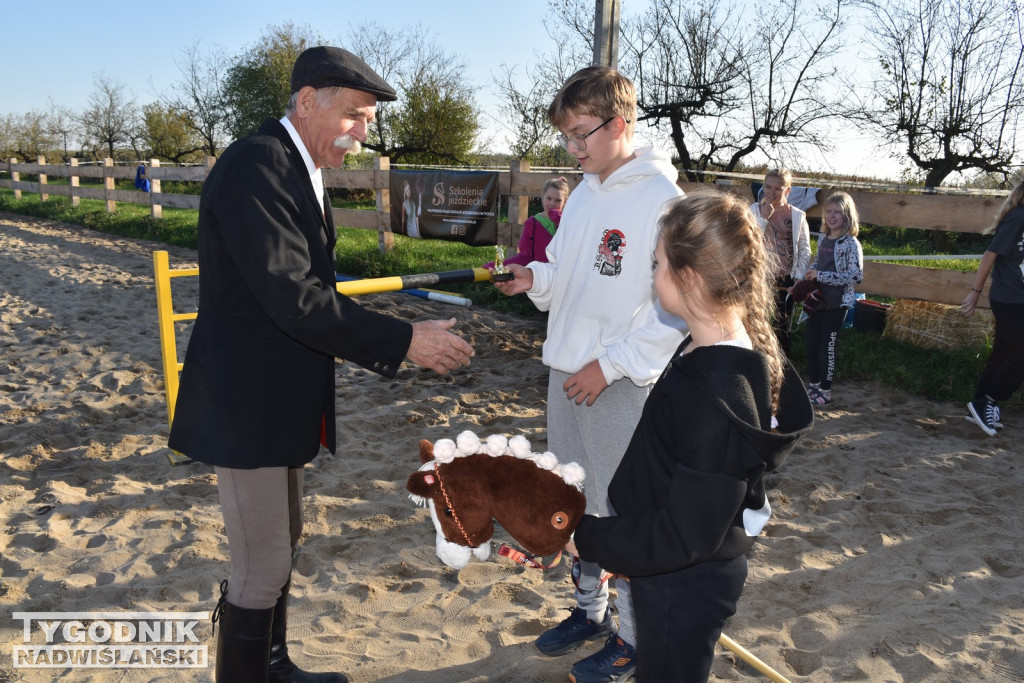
(965,214)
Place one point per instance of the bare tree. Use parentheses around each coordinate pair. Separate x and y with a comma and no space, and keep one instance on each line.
(110,120)
(525,99)
(62,124)
(723,82)
(198,97)
(573,29)
(950,86)
(524,106)
(790,82)
(688,62)
(728,83)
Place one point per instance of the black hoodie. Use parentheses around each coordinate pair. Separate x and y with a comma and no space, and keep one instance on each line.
(694,470)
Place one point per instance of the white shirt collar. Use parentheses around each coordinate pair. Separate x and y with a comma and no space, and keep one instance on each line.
(315,176)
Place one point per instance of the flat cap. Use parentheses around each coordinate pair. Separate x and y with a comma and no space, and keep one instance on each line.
(325,66)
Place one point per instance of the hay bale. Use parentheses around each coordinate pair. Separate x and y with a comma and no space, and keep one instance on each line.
(937,326)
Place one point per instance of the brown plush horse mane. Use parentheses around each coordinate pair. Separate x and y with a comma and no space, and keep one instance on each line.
(468,484)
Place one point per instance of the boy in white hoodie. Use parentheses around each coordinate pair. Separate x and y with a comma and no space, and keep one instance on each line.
(607,339)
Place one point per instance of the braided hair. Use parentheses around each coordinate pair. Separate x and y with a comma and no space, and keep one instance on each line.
(716,237)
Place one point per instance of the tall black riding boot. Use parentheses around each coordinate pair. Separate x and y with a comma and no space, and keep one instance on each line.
(282,669)
(243,644)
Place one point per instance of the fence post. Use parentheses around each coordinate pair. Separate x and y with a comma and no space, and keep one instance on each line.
(73,182)
(108,183)
(157,211)
(382,189)
(518,204)
(15,178)
(43,195)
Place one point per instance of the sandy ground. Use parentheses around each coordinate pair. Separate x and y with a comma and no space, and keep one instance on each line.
(894,553)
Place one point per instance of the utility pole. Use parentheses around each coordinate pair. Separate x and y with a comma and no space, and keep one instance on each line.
(606,32)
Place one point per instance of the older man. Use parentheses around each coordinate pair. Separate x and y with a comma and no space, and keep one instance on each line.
(257,391)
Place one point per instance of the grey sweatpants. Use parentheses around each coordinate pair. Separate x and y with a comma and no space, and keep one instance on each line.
(596,437)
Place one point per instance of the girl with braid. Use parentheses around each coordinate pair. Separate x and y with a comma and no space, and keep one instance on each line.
(689,495)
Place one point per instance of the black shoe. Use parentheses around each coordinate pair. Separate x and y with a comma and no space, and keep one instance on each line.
(282,669)
(985,413)
(575,630)
(995,418)
(243,644)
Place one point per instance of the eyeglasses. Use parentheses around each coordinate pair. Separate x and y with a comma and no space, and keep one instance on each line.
(580,141)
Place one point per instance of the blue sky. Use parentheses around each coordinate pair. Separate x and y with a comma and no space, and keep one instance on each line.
(55,57)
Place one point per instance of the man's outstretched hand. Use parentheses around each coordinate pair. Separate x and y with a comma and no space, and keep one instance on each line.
(437,349)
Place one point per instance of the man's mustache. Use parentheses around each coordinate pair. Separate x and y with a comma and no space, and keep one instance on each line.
(348,143)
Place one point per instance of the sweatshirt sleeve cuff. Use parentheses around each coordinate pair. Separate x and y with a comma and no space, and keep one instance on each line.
(609,372)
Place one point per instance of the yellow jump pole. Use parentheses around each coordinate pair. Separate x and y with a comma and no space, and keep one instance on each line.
(418,281)
(165,320)
(750,659)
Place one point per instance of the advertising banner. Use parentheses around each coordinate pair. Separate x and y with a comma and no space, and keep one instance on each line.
(445,205)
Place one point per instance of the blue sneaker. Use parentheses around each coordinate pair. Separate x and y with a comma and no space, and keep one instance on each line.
(575,630)
(616,661)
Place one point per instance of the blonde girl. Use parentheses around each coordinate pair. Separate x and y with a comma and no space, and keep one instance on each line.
(689,495)
(838,267)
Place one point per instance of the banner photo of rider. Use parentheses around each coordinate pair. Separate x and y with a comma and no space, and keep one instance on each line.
(461,206)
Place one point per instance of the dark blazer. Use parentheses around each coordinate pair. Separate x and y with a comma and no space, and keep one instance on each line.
(257,388)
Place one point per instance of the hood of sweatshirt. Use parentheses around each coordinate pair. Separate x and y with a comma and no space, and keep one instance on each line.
(648,162)
(738,399)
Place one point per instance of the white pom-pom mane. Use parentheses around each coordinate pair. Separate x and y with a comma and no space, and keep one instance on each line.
(496,445)
(444,450)
(546,461)
(468,443)
(519,446)
(574,474)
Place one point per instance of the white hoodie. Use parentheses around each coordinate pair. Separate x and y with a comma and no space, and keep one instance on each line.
(598,283)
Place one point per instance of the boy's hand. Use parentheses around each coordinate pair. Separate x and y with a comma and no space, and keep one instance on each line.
(522,282)
(586,385)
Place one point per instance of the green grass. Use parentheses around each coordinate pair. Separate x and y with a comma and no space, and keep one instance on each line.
(177,227)
(937,375)
(887,241)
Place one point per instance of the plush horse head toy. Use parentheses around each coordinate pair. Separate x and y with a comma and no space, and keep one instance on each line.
(468,483)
